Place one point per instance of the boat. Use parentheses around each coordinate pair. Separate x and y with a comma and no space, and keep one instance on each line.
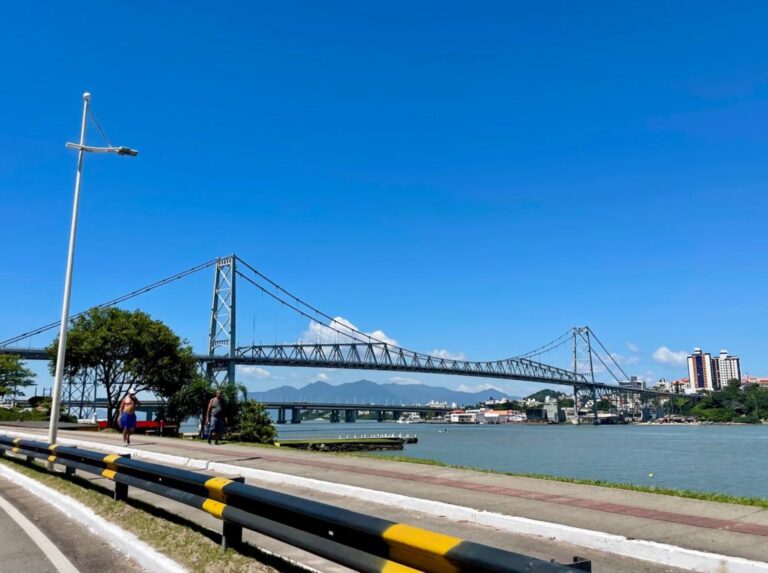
(411,418)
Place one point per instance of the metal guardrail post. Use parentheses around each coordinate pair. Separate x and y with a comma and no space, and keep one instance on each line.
(121,489)
(231,532)
(581,564)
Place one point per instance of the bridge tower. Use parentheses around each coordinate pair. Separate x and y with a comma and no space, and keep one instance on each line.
(221,340)
(582,360)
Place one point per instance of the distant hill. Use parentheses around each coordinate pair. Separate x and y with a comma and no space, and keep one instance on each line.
(366,392)
(541,394)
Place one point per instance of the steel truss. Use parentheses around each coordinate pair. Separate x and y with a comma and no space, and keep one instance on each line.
(222,330)
(382,356)
(80,395)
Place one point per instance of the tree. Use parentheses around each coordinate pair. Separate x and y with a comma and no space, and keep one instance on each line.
(125,350)
(191,401)
(14,375)
(254,424)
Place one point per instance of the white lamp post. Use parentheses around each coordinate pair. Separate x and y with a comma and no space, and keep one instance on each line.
(82,148)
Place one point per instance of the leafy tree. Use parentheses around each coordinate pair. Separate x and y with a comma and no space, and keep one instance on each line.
(254,424)
(190,401)
(14,375)
(126,350)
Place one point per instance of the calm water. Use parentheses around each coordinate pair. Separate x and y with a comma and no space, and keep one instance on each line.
(726,459)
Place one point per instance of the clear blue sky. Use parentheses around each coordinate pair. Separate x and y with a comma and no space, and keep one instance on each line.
(470,178)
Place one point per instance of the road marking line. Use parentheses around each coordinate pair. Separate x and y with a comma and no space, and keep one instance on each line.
(51,552)
(124,541)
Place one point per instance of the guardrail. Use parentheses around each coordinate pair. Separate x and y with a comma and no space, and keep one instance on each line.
(361,542)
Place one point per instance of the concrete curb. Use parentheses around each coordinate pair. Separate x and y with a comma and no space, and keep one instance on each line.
(125,542)
(660,553)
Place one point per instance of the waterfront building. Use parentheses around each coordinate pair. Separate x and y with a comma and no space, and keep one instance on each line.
(728,368)
(700,371)
(633,383)
(760,381)
(708,373)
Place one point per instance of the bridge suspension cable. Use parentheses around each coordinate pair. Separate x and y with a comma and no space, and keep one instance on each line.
(112,302)
(347,329)
(610,356)
(556,343)
(307,315)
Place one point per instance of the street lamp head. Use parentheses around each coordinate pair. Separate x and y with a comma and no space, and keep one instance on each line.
(127,151)
(87,96)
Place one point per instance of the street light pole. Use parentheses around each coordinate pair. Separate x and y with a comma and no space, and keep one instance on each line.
(62,350)
(55,406)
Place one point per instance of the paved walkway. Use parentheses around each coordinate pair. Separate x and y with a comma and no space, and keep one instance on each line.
(726,529)
(30,550)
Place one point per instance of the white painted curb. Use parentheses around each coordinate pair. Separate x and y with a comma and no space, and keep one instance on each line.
(660,553)
(124,541)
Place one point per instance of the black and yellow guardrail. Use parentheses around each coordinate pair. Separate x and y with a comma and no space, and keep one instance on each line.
(353,539)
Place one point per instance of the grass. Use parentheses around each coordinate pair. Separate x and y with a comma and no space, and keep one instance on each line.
(189,544)
(684,493)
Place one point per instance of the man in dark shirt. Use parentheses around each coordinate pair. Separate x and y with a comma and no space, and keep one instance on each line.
(214,417)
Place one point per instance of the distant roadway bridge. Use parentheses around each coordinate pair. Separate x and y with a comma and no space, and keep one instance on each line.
(291,410)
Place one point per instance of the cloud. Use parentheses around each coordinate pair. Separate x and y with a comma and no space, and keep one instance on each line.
(664,355)
(340,331)
(448,355)
(404,380)
(633,348)
(624,360)
(323,377)
(254,372)
(478,388)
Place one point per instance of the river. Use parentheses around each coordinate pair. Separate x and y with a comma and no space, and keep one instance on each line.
(724,459)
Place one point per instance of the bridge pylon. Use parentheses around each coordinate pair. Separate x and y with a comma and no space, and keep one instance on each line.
(221,339)
(582,360)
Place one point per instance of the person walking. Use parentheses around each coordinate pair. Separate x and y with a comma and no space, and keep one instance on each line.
(214,418)
(128,416)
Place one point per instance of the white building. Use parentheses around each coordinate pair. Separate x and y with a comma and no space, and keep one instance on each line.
(728,367)
(700,371)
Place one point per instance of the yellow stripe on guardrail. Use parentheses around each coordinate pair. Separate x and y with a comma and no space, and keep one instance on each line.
(16,441)
(53,447)
(110,461)
(392,567)
(215,486)
(214,507)
(109,474)
(420,548)
(51,458)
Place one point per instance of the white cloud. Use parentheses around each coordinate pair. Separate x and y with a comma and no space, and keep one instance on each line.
(664,355)
(478,388)
(254,372)
(404,380)
(323,377)
(447,354)
(627,360)
(340,331)
(633,348)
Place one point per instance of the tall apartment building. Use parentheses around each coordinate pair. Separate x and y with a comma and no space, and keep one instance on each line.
(707,373)
(728,367)
(700,371)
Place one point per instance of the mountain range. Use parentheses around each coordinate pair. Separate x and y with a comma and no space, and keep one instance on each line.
(366,392)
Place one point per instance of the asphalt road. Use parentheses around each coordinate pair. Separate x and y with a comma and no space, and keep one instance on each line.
(38,538)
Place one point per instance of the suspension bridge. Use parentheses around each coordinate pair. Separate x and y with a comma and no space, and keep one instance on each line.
(354,349)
